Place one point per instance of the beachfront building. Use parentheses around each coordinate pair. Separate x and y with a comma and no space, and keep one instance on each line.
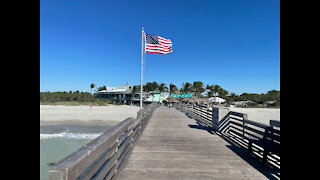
(182,95)
(155,97)
(120,95)
(136,98)
(217,100)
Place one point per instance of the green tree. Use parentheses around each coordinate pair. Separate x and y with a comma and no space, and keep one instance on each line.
(102,88)
(154,86)
(135,89)
(216,89)
(147,88)
(210,92)
(222,93)
(186,88)
(173,88)
(233,97)
(92,86)
(198,87)
(162,88)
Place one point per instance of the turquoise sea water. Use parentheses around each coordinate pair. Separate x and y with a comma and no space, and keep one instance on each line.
(53,150)
(57,142)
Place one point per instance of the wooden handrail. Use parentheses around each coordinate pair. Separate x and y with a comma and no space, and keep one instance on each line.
(103,157)
(275,123)
(235,123)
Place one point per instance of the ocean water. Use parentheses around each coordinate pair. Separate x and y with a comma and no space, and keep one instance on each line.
(59,141)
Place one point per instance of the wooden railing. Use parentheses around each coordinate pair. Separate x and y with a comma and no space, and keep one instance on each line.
(105,156)
(235,126)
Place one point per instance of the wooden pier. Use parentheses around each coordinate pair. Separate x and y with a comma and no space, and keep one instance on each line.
(173,146)
(186,141)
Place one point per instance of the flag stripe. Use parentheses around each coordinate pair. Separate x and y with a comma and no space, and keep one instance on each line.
(159,52)
(157,44)
(164,41)
(167,50)
(161,38)
(161,44)
(159,49)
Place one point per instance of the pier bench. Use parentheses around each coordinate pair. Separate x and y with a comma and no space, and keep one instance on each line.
(270,142)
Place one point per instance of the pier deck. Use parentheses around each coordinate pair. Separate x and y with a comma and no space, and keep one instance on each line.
(173,146)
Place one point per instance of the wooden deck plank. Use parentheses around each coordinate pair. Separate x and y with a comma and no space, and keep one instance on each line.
(173,147)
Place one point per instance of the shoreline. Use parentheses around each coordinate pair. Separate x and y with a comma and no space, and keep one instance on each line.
(78,122)
(84,115)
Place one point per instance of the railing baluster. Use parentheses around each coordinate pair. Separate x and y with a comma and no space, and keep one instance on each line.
(237,131)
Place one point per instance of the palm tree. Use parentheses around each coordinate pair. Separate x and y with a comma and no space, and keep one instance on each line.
(210,88)
(216,89)
(92,86)
(154,87)
(162,88)
(173,88)
(147,88)
(186,87)
(223,93)
(135,90)
(198,87)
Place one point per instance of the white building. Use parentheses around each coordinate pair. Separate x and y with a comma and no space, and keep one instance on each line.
(217,100)
(122,94)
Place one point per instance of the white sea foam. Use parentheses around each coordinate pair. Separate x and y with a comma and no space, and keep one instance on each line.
(71,135)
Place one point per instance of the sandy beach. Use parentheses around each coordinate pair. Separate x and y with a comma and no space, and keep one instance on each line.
(82,115)
(262,115)
(112,114)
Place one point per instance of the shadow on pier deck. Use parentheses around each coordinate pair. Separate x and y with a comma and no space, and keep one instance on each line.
(164,143)
(174,146)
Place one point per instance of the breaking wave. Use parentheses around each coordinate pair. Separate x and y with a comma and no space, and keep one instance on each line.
(71,135)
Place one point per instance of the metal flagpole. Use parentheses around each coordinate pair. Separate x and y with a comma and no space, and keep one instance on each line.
(141,70)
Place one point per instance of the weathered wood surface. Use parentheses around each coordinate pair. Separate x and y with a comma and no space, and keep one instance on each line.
(172,146)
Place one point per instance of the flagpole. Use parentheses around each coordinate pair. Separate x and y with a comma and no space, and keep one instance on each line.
(141,70)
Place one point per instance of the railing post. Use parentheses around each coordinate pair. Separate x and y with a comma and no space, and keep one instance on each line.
(187,107)
(196,108)
(245,117)
(218,113)
(193,109)
(208,109)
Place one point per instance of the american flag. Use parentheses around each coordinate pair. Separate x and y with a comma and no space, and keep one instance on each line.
(157,44)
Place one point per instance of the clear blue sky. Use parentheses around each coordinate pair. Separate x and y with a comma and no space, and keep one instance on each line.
(232,43)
